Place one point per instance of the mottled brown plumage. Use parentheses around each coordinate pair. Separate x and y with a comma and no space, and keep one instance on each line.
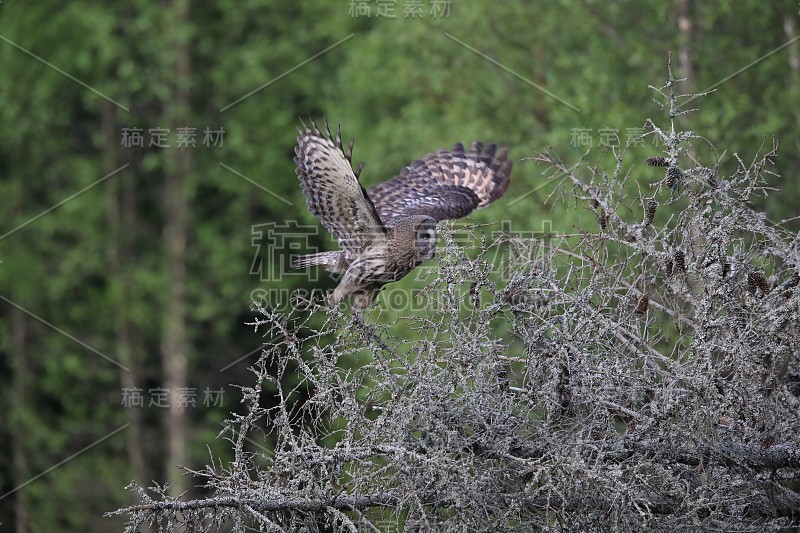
(387,231)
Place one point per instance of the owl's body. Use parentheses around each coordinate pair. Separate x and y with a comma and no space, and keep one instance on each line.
(387,231)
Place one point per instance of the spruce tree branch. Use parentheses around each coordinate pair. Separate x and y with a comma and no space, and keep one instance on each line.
(289,503)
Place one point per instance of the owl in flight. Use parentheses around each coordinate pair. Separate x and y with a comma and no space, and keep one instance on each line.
(386,231)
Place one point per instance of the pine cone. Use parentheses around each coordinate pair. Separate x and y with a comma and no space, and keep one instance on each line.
(642,304)
(674,175)
(650,212)
(757,280)
(680,261)
(712,178)
(657,161)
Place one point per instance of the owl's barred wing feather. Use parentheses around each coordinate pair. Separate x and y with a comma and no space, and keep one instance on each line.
(445,184)
(333,191)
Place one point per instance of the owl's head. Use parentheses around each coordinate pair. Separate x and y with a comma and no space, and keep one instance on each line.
(426,238)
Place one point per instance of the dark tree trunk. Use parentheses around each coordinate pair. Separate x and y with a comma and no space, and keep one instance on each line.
(175,343)
(18,451)
(122,224)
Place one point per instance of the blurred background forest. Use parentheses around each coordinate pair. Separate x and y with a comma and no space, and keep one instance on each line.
(146,152)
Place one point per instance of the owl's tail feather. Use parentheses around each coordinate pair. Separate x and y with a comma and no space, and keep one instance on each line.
(330,261)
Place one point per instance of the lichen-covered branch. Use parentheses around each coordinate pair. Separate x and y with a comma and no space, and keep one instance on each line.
(641,372)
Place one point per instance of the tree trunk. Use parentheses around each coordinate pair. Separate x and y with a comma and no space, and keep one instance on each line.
(687,30)
(790,28)
(122,223)
(175,343)
(686,69)
(18,451)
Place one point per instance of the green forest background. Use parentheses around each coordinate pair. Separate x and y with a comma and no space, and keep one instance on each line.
(126,267)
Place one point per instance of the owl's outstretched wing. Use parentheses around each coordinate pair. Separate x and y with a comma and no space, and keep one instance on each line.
(333,191)
(445,184)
